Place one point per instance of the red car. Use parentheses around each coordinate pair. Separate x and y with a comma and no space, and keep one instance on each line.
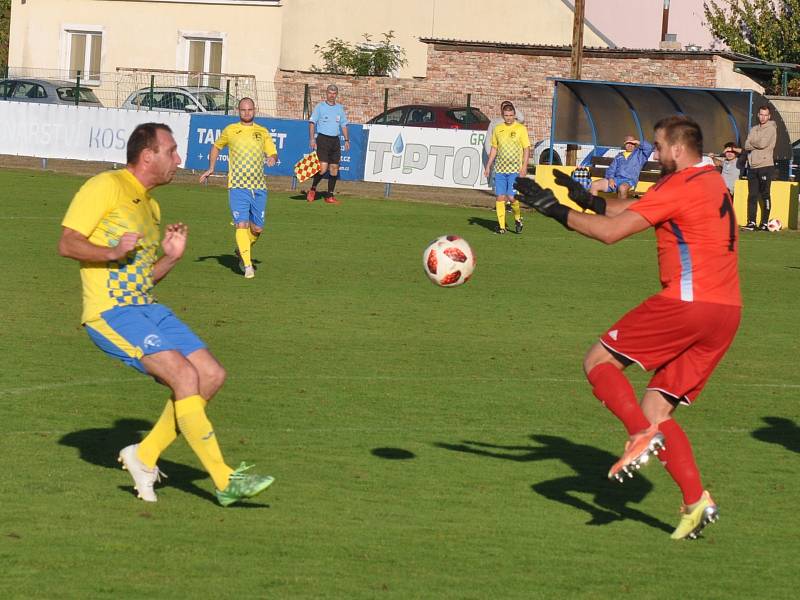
(430,115)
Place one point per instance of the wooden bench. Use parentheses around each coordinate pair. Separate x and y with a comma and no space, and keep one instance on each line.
(650,173)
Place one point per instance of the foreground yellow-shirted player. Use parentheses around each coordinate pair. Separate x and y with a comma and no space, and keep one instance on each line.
(112,228)
(511,149)
(250,146)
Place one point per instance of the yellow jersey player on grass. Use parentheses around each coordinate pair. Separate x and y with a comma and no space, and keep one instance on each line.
(510,149)
(250,146)
(112,228)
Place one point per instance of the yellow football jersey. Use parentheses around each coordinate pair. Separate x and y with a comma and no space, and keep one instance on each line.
(510,140)
(247,146)
(107,206)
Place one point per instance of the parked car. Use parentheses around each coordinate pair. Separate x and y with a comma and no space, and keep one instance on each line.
(179,99)
(46,91)
(432,115)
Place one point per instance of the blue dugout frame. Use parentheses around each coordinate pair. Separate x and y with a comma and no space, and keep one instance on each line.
(601,113)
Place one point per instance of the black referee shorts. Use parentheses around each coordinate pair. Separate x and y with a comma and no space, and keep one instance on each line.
(329,149)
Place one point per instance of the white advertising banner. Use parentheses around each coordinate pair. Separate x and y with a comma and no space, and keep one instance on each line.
(424,156)
(78,132)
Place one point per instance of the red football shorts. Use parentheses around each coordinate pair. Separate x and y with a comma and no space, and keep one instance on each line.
(681,341)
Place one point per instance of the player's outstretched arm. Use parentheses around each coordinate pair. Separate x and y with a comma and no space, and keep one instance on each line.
(597,204)
(173,245)
(599,227)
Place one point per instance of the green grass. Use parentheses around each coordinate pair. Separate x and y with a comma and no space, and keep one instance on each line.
(426,443)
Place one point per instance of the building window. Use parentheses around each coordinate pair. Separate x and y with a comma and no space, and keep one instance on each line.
(84,50)
(204,61)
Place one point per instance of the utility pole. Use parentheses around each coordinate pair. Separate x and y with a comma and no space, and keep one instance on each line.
(576,63)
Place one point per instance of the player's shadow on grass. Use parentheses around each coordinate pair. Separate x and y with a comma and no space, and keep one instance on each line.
(229,261)
(610,499)
(489,224)
(779,430)
(101,447)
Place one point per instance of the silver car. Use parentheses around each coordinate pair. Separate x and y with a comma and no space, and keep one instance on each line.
(46,91)
(179,99)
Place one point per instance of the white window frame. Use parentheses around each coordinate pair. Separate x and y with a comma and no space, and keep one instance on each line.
(182,58)
(66,48)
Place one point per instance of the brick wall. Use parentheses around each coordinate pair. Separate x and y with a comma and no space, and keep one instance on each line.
(490,77)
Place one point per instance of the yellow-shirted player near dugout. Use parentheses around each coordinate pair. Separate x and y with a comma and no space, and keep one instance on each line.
(112,227)
(510,149)
(250,146)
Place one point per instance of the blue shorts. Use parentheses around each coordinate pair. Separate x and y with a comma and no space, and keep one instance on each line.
(504,183)
(248,205)
(128,333)
(619,181)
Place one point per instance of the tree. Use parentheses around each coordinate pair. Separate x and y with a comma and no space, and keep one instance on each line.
(5,23)
(765,29)
(365,58)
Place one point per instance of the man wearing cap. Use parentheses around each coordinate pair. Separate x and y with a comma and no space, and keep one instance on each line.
(623,172)
(327,122)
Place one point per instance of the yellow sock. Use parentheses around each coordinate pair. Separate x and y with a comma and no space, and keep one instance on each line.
(198,431)
(160,437)
(243,243)
(500,209)
(516,209)
(253,236)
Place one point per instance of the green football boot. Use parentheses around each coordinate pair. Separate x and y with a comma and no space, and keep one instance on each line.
(241,485)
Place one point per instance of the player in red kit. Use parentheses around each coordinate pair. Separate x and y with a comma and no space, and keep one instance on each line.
(682,332)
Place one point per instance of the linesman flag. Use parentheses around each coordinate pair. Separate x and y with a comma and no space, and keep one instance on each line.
(306,167)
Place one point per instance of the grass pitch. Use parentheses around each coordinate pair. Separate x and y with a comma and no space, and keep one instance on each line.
(427,443)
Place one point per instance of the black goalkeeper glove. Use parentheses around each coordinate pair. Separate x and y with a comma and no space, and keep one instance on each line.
(542,199)
(579,195)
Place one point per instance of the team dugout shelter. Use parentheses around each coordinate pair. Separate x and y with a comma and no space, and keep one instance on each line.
(602,113)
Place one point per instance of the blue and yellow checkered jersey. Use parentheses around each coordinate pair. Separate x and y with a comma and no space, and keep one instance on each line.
(510,140)
(248,146)
(107,206)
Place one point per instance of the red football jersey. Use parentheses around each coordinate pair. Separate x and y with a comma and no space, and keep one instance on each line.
(697,235)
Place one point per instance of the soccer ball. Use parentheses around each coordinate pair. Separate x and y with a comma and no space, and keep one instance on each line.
(448,261)
(774,225)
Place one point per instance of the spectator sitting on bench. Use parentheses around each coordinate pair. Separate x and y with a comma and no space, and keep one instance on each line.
(623,172)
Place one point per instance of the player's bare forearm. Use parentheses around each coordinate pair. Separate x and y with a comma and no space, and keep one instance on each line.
(163,266)
(607,229)
(615,206)
(526,154)
(77,246)
(212,163)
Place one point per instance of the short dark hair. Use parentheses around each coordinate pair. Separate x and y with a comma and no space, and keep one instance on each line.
(730,145)
(144,136)
(683,129)
(766,108)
